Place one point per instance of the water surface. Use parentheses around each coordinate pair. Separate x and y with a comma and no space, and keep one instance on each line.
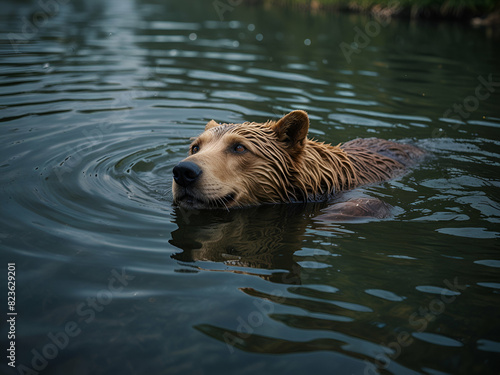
(98,101)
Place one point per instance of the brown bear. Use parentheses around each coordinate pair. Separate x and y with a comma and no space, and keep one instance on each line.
(238,165)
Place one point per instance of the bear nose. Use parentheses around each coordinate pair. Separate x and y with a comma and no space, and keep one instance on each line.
(186,173)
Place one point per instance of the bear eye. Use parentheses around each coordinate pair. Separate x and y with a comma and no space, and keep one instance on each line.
(195,149)
(239,148)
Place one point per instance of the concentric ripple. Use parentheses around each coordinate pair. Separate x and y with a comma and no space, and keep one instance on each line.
(123,182)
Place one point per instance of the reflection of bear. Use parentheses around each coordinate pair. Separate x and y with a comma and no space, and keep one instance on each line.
(262,241)
(263,238)
(237,165)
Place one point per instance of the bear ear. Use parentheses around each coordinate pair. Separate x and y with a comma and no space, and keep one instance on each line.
(211,124)
(292,128)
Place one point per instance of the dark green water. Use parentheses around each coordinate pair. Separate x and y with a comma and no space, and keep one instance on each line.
(98,100)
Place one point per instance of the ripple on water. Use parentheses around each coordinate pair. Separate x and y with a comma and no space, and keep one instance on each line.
(436,290)
(122,181)
(488,345)
(384,294)
(489,285)
(488,262)
(358,120)
(469,232)
(434,338)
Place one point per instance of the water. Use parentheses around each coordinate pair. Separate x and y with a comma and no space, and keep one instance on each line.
(98,101)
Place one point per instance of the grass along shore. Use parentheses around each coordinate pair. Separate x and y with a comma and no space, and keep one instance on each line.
(481,12)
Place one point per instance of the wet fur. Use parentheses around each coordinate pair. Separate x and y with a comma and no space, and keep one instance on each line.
(280,164)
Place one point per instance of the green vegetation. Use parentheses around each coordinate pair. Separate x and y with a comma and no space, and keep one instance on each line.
(415,8)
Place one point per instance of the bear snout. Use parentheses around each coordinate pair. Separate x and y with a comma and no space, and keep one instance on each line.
(186,173)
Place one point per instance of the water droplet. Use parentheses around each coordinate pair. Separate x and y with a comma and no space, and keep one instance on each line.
(193,36)
(307,42)
(251,27)
(259,37)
